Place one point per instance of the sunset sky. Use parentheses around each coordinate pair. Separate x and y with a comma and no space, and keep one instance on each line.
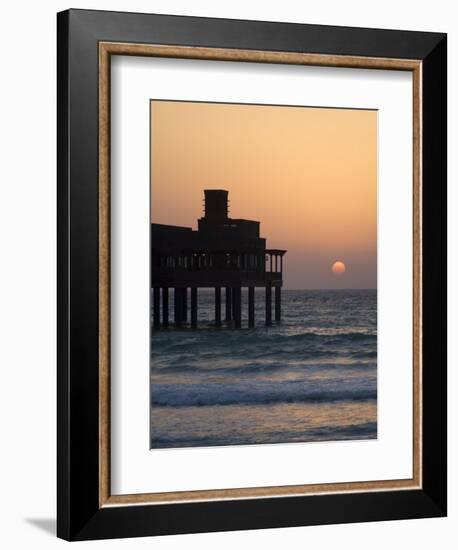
(309,175)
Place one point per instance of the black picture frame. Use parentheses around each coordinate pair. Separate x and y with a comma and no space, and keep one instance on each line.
(80,516)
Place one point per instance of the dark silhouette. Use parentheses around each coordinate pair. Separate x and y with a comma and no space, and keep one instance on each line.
(223,252)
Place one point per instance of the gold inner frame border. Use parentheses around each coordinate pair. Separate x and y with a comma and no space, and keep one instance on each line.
(106,50)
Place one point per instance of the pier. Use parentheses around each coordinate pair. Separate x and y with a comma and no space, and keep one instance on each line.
(225,254)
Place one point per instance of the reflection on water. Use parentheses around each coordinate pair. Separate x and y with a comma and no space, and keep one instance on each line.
(311,378)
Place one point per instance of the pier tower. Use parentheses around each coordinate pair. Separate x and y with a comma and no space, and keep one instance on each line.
(224,253)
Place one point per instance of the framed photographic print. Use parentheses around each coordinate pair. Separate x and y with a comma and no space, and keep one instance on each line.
(252,274)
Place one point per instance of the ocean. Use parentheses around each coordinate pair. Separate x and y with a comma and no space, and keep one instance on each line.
(312,377)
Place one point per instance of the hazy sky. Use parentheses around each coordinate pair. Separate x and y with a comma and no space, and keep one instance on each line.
(309,175)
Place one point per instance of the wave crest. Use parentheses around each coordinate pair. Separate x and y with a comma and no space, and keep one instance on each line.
(259,393)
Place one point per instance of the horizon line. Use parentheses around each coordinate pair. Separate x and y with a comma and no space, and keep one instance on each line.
(316,288)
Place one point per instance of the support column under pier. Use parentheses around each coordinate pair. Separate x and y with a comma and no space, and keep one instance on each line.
(237,306)
(194,307)
(156,307)
(165,307)
(218,306)
(178,307)
(268,305)
(228,304)
(184,292)
(278,304)
(251,307)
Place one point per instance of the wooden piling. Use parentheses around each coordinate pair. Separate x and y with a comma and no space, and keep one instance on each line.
(228,304)
(278,304)
(237,306)
(251,307)
(218,306)
(156,307)
(268,305)
(165,307)
(184,298)
(193,307)
(178,307)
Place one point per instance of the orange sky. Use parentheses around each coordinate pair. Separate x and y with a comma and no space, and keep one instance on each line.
(309,175)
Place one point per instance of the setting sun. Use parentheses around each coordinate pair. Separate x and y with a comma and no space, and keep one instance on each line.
(294,169)
(338,268)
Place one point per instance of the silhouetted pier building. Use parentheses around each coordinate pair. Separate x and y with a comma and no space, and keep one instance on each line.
(224,253)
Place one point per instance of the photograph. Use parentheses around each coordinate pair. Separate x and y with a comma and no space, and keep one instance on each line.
(251,275)
(263,274)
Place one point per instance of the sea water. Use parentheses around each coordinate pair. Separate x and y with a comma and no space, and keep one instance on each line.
(311,377)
